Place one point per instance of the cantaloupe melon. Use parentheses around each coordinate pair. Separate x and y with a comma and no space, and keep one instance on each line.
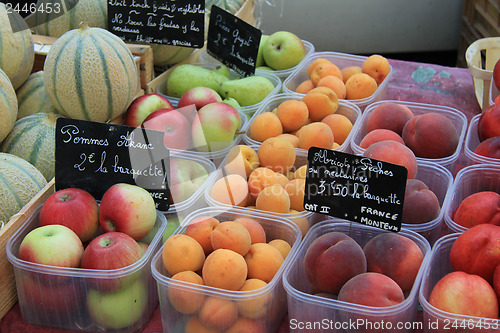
(19,182)
(8,106)
(17,50)
(33,139)
(93,12)
(32,98)
(90,74)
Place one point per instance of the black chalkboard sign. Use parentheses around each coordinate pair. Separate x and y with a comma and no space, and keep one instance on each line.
(94,156)
(172,22)
(355,188)
(233,41)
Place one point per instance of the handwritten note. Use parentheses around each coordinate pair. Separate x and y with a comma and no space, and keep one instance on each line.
(93,156)
(233,41)
(355,188)
(172,22)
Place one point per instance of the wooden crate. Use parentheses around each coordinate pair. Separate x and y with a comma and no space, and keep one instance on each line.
(8,294)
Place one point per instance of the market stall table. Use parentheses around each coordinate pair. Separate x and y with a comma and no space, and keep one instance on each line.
(411,81)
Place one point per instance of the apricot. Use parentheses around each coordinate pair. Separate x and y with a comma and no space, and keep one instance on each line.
(296,190)
(379,134)
(224,269)
(377,67)
(277,154)
(246,325)
(293,139)
(389,115)
(313,64)
(265,125)
(218,313)
(300,172)
(282,179)
(324,69)
(340,125)
(293,114)
(256,306)
(282,245)
(259,179)
(182,253)
(301,221)
(420,205)
(395,153)
(230,190)
(254,228)
(321,101)
(317,134)
(431,135)
(201,229)
(232,236)
(349,71)
(242,160)
(186,301)
(489,147)
(396,256)
(304,87)
(335,83)
(263,261)
(331,260)
(360,86)
(274,199)
(478,208)
(487,125)
(194,325)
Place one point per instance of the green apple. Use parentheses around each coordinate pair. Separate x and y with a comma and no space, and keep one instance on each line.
(120,309)
(172,224)
(186,177)
(259,62)
(231,101)
(283,50)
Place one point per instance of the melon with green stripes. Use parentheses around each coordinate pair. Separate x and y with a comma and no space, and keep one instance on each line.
(17,50)
(32,98)
(90,74)
(33,139)
(8,106)
(19,183)
(93,12)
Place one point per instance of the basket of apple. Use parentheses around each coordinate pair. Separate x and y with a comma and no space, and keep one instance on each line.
(221,271)
(84,265)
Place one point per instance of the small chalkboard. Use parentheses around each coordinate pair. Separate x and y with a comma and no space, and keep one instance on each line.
(355,188)
(172,22)
(94,156)
(233,41)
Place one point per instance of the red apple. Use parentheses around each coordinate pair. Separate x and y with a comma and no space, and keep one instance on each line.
(143,106)
(496,74)
(199,96)
(188,111)
(74,208)
(127,208)
(175,126)
(487,125)
(54,245)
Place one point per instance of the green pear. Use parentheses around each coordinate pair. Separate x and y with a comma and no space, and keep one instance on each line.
(231,101)
(247,91)
(265,68)
(187,76)
(260,54)
(222,69)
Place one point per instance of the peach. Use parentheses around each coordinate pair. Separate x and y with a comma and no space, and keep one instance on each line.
(465,294)
(431,135)
(389,115)
(265,125)
(477,251)
(293,139)
(186,301)
(242,160)
(489,147)
(304,87)
(254,228)
(276,154)
(316,134)
(182,253)
(496,280)
(201,229)
(218,313)
(487,125)
(231,236)
(296,190)
(230,190)
(194,325)
(263,261)
(396,256)
(376,66)
(261,178)
(224,269)
(331,260)
(256,306)
(274,199)
(371,289)
(340,125)
(478,208)
(293,114)
(379,134)
(335,83)
(395,153)
(321,101)
(420,205)
(282,245)
(360,86)
(246,325)
(349,71)
(324,69)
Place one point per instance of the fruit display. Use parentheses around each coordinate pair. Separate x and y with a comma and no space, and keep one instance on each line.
(32,98)
(480,151)
(8,106)
(222,271)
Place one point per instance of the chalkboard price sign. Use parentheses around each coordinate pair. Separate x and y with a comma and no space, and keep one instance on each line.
(172,22)
(233,41)
(355,188)
(94,156)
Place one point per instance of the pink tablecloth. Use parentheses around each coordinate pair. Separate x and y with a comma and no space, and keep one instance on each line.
(411,81)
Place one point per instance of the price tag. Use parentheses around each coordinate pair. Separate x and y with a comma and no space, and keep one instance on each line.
(355,188)
(233,41)
(94,156)
(172,22)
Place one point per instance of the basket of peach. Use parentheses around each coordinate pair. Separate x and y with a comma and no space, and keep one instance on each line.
(221,271)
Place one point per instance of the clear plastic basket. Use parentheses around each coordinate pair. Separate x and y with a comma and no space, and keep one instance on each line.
(471,143)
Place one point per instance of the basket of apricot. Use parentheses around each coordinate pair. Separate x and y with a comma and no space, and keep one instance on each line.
(222,269)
